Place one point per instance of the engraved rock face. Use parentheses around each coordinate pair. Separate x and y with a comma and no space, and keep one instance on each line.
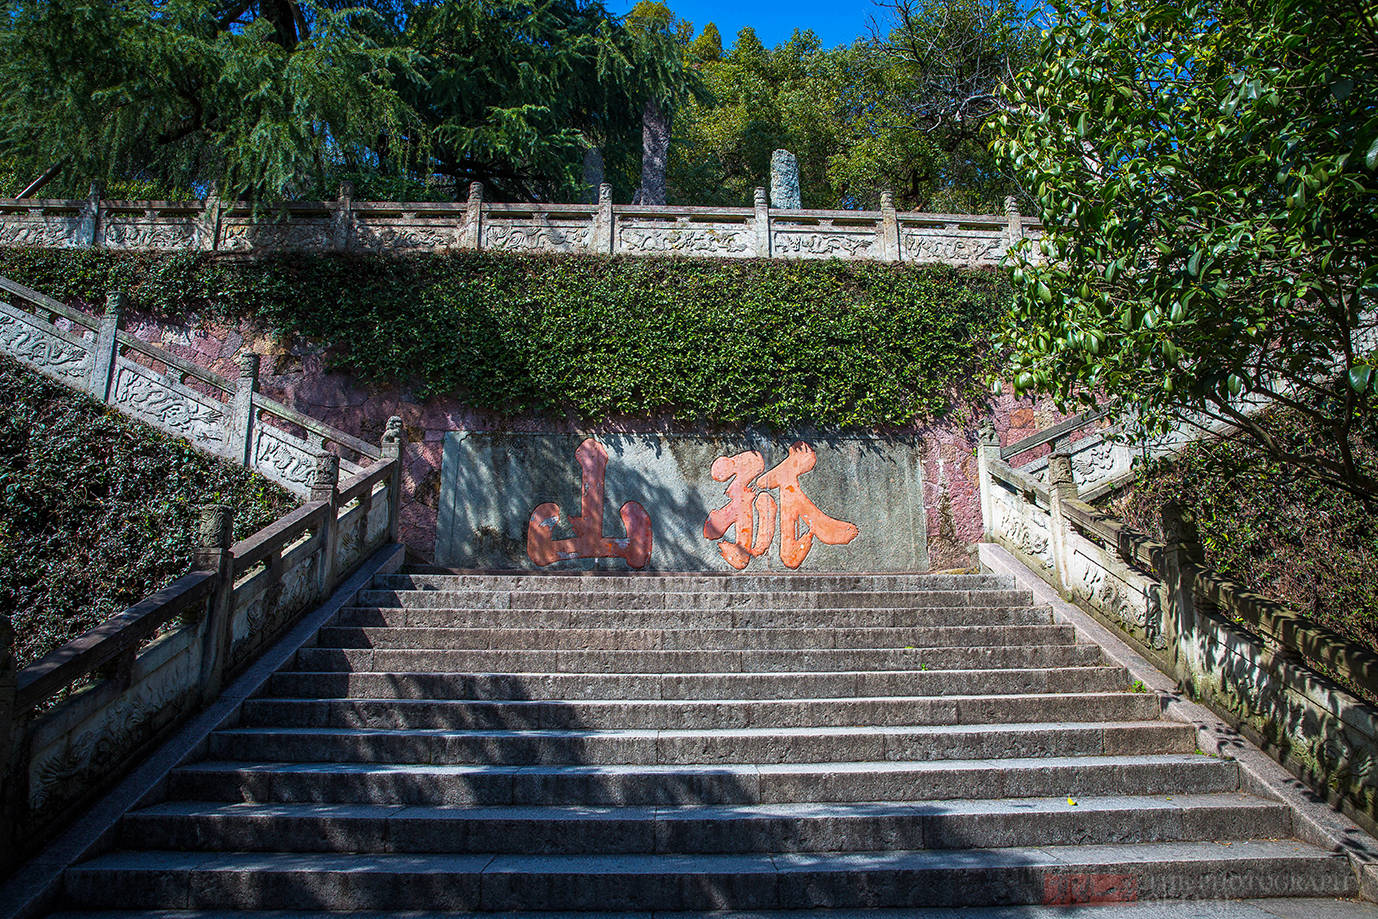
(784,180)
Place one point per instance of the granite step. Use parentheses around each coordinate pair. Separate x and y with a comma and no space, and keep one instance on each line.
(582,618)
(654,639)
(652,582)
(608,714)
(675,747)
(631,686)
(960,877)
(732,783)
(602,830)
(735,598)
(757,661)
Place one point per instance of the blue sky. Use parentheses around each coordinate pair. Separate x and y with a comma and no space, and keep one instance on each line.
(837,22)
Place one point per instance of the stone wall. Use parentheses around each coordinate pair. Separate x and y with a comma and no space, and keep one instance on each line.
(346,225)
(296,376)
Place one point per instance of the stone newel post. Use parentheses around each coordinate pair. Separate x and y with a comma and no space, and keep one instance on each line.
(242,409)
(473,218)
(889,228)
(324,482)
(1015,226)
(604,238)
(762,225)
(107,347)
(394,447)
(214,539)
(987,452)
(1060,487)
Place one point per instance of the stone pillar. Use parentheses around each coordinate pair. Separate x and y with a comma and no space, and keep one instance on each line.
(214,539)
(88,224)
(472,235)
(324,482)
(593,175)
(107,348)
(1015,227)
(1060,487)
(394,448)
(762,225)
(889,228)
(655,154)
(342,219)
(241,437)
(208,223)
(987,452)
(1182,558)
(604,231)
(784,181)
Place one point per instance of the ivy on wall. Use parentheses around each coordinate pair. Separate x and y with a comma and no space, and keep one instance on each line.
(832,343)
(96,510)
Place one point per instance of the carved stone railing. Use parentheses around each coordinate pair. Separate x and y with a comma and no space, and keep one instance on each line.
(78,718)
(227,418)
(1292,685)
(346,225)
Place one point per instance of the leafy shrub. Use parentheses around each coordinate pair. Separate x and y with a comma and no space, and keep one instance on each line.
(97,511)
(831,343)
(1311,546)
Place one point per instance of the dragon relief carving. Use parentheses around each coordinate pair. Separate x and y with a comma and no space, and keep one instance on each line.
(1029,535)
(403,236)
(48,352)
(513,238)
(925,247)
(169,409)
(822,244)
(242,237)
(28,231)
(280,459)
(129,234)
(673,239)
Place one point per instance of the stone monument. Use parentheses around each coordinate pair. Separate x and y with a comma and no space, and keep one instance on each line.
(784,181)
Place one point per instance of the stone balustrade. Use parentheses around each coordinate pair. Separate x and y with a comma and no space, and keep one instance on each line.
(1290,684)
(347,225)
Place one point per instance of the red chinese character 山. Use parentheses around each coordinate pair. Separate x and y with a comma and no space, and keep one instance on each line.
(589,541)
(800,518)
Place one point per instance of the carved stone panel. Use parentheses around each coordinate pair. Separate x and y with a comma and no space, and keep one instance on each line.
(55,232)
(378,237)
(1022,526)
(952,247)
(790,243)
(34,342)
(137,233)
(244,236)
(283,458)
(1103,583)
(735,241)
(510,237)
(144,394)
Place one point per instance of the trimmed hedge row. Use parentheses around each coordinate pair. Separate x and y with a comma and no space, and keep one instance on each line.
(834,344)
(96,510)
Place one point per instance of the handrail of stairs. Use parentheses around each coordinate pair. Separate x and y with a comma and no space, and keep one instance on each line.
(74,721)
(1296,687)
(227,418)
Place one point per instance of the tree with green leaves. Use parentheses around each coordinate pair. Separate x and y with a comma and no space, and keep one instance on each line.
(1207,173)
(169,94)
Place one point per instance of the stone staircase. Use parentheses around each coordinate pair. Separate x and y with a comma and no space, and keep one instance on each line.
(698,742)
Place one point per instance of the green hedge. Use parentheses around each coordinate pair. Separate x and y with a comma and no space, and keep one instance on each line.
(836,344)
(1313,547)
(96,510)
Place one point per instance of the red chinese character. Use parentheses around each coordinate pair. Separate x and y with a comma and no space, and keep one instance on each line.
(589,541)
(800,518)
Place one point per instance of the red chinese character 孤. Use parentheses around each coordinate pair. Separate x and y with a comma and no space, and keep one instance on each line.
(589,541)
(745,506)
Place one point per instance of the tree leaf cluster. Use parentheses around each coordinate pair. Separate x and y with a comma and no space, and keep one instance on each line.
(1204,175)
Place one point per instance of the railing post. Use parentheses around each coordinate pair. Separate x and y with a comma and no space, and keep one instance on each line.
(603,230)
(473,218)
(987,452)
(1060,487)
(1182,555)
(208,223)
(394,447)
(1015,226)
(214,539)
(324,487)
(107,347)
(242,410)
(88,227)
(762,224)
(343,217)
(12,773)
(889,228)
